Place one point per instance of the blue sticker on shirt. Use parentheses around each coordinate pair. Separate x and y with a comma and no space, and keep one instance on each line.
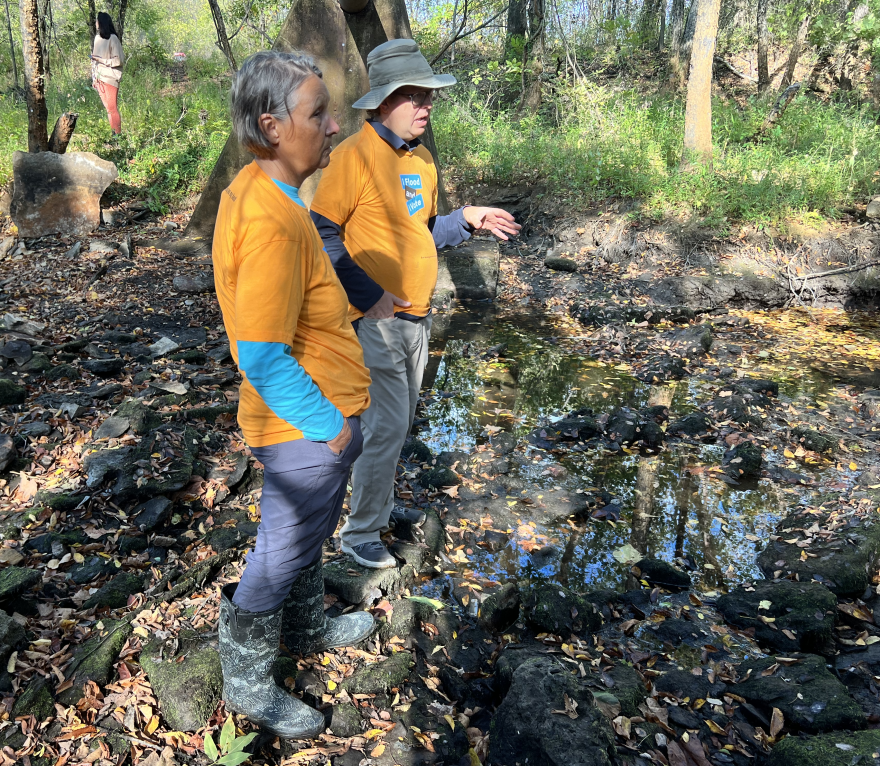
(412,183)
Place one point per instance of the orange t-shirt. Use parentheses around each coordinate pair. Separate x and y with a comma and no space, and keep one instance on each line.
(275,284)
(382,199)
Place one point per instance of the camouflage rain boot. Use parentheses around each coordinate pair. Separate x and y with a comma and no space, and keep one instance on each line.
(248,648)
(305,627)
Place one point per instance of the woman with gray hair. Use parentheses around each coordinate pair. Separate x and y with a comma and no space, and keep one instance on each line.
(303,388)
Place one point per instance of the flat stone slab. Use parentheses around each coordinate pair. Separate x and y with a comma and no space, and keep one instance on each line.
(837,749)
(356,584)
(470,271)
(58,193)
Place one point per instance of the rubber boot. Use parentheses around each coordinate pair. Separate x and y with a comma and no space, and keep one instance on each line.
(248,648)
(305,627)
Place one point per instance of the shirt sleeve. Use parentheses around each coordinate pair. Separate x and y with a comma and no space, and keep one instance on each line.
(449,230)
(116,50)
(288,390)
(362,291)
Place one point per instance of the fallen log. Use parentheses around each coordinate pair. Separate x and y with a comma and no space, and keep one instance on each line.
(63,132)
(731,68)
(777,111)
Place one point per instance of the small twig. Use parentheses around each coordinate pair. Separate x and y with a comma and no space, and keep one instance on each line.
(141,742)
(465,34)
(844,270)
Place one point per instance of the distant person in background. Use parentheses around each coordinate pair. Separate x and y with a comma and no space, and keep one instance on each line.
(107,61)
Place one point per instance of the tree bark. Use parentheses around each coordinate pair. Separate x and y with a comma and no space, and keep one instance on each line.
(687,41)
(698,111)
(677,29)
(533,56)
(63,132)
(34,79)
(763,46)
(517,24)
(661,37)
(120,19)
(222,39)
(45,16)
(795,53)
(93,18)
(11,45)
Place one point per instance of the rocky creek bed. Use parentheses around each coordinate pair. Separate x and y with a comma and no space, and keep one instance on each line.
(652,522)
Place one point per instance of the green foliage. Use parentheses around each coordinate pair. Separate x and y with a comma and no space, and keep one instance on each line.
(601,143)
(231,750)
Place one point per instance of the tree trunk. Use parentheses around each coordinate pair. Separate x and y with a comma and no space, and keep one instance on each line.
(45,14)
(661,38)
(763,46)
(63,132)
(677,24)
(517,24)
(38,114)
(795,54)
(11,45)
(687,41)
(222,39)
(120,19)
(698,111)
(93,18)
(533,56)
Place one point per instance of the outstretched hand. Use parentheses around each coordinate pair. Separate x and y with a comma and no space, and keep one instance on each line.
(492,219)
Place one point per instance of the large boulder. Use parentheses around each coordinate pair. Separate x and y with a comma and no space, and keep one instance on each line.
(531,725)
(552,608)
(838,749)
(58,193)
(95,659)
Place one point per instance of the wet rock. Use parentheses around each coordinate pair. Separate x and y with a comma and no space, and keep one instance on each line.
(503,443)
(599,316)
(114,594)
(805,610)
(19,351)
(8,452)
(95,659)
(494,541)
(626,426)
(91,569)
(104,368)
(837,749)
(693,424)
(380,677)
(737,291)
(759,386)
(658,572)
(740,404)
(571,429)
(187,691)
(551,608)
(345,721)
(809,696)
(500,608)
(437,478)
(558,263)
(58,501)
(416,451)
(743,461)
(36,701)
(35,430)
(813,440)
(11,393)
(682,683)
(39,364)
(844,562)
(660,369)
(58,193)
(112,428)
(525,728)
(16,580)
(195,283)
(627,686)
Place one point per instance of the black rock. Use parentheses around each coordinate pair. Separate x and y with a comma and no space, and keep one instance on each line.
(63,371)
(16,580)
(552,608)
(437,478)
(658,572)
(416,451)
(743,461)
(11,393)
(500,608)
(114,594)
(557,263)
(152,513)
(760,386)
(91,569)
(104,368)
(682,683)
(8,452)
(693,424)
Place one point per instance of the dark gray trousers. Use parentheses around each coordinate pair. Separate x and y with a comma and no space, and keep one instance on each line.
(304,485)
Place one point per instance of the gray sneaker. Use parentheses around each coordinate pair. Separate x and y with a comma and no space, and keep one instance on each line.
(372,554)
(412,516)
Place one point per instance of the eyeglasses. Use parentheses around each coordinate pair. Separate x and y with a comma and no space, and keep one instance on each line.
(419,98)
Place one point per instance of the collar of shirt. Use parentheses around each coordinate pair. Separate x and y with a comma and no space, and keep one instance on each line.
(391,138)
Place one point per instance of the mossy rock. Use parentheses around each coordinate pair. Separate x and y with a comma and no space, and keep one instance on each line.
(814,440)
(190,356)
(58,501)
(805,609)
(416,451)
(662,573)
(208,414)
(859,747)
(63,371)
(141,417)
(16,580)
(406,615)
(551,608)
(628,688)
(437,478)
(844,563)
(114,594)
(808,695)
(36,701)
(693,424)
(38,364)
(743,461)
(188,691)
(96,658)
(500,608)
(11,393)
(345,721)
(558,263)
(43,543)
(284,668)
(380,676)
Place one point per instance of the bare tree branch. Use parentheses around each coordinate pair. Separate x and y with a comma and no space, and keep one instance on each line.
(462,35)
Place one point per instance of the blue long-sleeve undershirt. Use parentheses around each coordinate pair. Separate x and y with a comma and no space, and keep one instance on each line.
(286,388)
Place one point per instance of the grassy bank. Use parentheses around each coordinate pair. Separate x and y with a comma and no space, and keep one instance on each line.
(589,142)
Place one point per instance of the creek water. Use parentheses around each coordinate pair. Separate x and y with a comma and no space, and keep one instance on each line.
(673,506)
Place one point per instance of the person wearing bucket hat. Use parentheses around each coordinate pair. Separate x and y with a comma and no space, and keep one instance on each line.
(376,211)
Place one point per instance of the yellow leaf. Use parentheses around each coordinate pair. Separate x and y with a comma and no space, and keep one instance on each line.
(331,685)
(787,452)
(153,724)
(714,727)
(142,632)
(853,467)
(325,660)
(373,733)
(451,721)
(378,750)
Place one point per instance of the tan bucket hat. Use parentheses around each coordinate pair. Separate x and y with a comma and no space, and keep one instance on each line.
(394,64)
